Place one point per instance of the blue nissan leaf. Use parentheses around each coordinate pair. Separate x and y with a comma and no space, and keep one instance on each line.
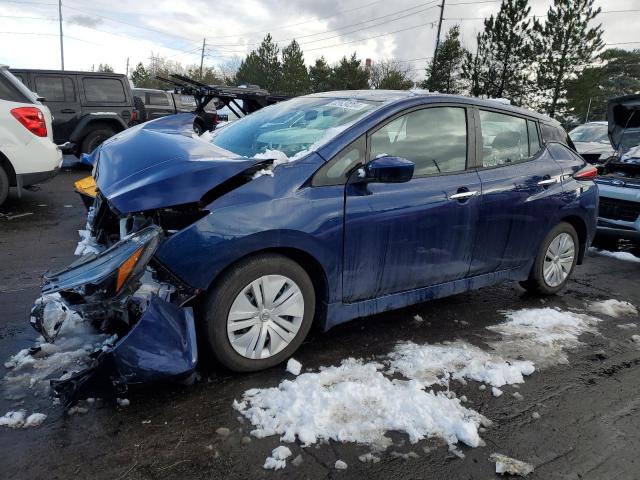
(319,209)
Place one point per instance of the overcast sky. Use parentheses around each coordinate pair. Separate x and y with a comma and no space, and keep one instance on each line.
(107,31)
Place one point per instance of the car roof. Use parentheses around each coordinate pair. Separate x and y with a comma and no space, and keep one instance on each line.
(404,95)
(67,72)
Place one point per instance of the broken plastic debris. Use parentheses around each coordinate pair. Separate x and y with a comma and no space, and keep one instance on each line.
(278,458)
(340,465)
(418,318)
(294,367)
(510,465)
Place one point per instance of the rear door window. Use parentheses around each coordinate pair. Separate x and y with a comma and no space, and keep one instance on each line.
(55,88)
(156,98)
(505,139)
(104,90)
(9,92)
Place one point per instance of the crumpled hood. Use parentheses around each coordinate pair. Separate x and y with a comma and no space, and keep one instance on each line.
(158,164)
(622,113)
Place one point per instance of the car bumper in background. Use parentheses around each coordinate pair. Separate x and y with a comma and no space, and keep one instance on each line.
(27,179)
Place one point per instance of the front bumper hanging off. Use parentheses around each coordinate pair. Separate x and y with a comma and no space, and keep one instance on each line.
(123,292)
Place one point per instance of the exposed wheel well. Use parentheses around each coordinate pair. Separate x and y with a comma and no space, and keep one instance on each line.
(8,168)
(95,125)
(581,229)
(308,263)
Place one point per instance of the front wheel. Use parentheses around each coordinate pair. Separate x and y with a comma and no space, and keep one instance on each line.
(555,261)
(95,138)
(259,312)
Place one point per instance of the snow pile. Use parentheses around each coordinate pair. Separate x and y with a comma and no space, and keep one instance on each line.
(541,335)
(30,369)
(88,243)
(340,465)
(437,364)
(278,458)
(360,401)
(626,256)
(510,466)
(355,402)
(19,419)
(206,136)
(613,308)
(294,367)
(628,326)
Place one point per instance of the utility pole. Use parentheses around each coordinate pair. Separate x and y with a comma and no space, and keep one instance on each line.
(204,41)
(127,71)
(61,41)
(435,52)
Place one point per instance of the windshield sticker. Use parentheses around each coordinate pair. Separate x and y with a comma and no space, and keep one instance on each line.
(347,104)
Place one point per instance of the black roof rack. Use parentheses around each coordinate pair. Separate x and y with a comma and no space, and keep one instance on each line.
(253,97)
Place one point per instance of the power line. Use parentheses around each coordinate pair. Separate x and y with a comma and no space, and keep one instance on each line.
(540,16)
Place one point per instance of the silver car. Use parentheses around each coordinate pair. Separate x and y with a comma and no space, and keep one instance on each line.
(619,178)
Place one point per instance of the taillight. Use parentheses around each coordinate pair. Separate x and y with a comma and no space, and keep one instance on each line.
(32,119)
(587,173)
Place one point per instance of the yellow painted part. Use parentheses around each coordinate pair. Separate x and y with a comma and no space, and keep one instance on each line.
(86,186)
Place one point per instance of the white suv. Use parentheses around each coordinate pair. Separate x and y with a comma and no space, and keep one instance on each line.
(27,152)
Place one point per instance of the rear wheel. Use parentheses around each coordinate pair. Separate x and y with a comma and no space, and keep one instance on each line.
(555,261)
(259,312)
(95,138)
(4,185)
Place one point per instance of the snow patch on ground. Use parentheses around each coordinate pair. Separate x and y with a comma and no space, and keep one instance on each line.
(19,419)
(278,458)
(356,402)
(294,367)
(510,466)
(613,308)
(626,256)
(360,401)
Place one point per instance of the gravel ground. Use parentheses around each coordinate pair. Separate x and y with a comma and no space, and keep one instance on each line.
(588,409)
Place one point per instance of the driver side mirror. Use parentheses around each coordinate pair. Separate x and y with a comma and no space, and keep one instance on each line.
(387,170)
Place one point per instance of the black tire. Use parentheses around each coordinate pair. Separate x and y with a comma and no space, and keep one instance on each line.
(536,282)
(4,185)
(140,108)
(95,137)
(218,302)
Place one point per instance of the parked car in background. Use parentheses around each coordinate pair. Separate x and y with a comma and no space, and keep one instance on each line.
(591,140)
(619,178)
(27,152)
(154,104)
(322,208)
(87,107)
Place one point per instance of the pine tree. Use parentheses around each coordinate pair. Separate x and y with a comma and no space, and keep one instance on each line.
(348,75)
(106,68)
(140,76)
(445,72)
(564,44)
(295,77)
(473,67)
(617,73)
(320,76)
(262,66)
(507,40)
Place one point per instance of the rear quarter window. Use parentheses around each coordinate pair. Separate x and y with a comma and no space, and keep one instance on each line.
(9,92)
(104,90)
(555,133)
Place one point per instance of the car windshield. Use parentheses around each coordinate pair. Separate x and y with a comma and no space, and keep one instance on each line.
(590,133)
(292,126)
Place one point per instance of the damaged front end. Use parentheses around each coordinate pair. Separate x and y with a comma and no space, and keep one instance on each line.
(125,292)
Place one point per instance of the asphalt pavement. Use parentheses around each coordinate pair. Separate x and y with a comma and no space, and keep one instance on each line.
(589,409)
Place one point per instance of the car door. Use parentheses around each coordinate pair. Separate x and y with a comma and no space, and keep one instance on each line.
(521,188)
(158,105)
(61,96)
(402,236)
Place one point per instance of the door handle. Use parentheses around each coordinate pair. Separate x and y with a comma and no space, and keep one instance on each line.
(67,110)
(548,181)
(463,195)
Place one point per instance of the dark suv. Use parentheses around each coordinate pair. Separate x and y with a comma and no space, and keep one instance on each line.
(87,107)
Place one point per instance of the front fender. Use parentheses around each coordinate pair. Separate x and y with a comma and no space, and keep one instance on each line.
(114,119)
